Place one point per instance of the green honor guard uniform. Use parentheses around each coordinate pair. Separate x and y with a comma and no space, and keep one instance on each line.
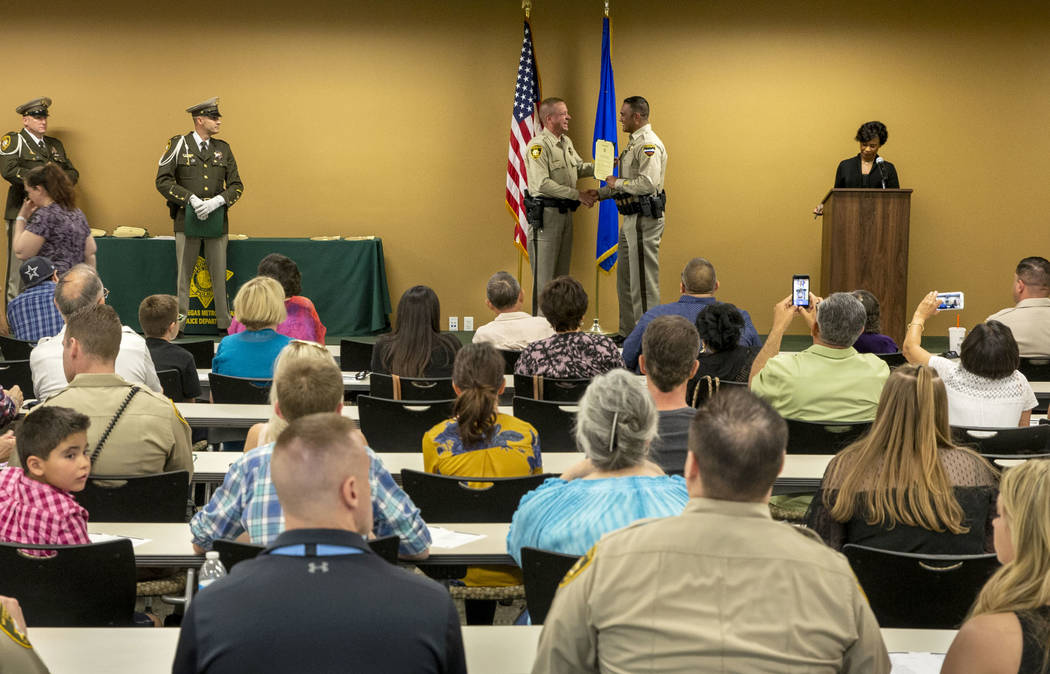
(198,176)
(20,152)
(640,198)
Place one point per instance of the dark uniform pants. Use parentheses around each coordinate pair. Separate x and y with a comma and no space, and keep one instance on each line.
(550,248)
(638,268)
(186,251)
(14,279)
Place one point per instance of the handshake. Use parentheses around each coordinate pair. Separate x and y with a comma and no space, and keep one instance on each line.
(203,208)
(589,197)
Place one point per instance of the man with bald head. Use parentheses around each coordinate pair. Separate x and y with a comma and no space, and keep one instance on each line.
(317,599)
(553,169)
(81,287)
(698,286)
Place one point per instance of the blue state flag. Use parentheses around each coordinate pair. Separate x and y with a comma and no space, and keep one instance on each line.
(605,129)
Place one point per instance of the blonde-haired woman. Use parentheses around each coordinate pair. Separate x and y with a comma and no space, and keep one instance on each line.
(1009,626)
(297,351)
(259,305)
(905,486)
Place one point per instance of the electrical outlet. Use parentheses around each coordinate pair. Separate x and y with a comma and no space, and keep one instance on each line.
(468,323)
(453,323)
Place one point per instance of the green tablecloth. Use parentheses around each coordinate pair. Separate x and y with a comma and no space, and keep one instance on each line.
(346,280)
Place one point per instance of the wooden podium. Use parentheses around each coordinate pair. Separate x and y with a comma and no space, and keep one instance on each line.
(865,245)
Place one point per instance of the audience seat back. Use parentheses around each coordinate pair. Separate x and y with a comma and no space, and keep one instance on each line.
(81,586)
(908,590)
(397,425)
(553,420)
(444,498)
(822,437)
(543,571)
(393,387)
(136,498)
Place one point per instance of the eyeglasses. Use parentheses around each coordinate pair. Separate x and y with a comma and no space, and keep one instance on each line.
(105,293)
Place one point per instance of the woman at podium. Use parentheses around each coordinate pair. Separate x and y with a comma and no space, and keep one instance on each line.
(868,169)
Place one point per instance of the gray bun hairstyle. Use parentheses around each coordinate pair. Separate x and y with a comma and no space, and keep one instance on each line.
(616,421)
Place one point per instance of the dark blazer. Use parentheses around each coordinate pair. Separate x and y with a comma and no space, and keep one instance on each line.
(849,175)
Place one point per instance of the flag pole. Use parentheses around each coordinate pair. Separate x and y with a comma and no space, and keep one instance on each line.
(527,6)
(596,328)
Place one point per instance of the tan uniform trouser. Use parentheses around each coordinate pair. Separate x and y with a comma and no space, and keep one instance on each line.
(638,268)
(550,249)
(186,252)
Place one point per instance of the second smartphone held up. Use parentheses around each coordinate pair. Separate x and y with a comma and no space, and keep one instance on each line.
(800,290)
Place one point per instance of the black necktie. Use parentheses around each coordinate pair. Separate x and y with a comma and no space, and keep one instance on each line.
(204,147)
(43,148)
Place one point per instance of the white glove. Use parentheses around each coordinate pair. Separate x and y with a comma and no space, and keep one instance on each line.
(195,201)
(208,206)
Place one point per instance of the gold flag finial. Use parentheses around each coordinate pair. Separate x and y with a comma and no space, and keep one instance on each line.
(527,6)
(606,8)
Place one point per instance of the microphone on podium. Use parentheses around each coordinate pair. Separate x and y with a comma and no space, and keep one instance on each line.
(882,174)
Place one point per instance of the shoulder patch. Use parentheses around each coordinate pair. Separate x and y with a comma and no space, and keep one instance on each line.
(649,149)
(8,627)
(535,151)
(577,568)
(5,142)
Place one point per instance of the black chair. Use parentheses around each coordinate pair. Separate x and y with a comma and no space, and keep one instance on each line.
(1032,442)
(17,373)
(548,388)
(1034,369)
(510,360)
(916,591)
(893,359)
(553,421)
(822,437)
(171,383)
(1037,369)
(136,498)
(232,553)
(392,387)
(355,356)
(445,498)
(80,586)
(243,390)
(699,390)
(15,349)
(543,571)
(398,425)
(203,350)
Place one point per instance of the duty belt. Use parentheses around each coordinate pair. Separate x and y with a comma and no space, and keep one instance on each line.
(563,205)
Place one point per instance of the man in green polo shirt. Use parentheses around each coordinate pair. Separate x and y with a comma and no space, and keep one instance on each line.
(829,381)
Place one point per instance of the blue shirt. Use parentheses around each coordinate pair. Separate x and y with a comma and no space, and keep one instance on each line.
(33,313)
(249,354)
(247,502)
(571,516)
(688,307)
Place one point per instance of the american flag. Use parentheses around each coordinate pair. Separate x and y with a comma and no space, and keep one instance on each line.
(524,124)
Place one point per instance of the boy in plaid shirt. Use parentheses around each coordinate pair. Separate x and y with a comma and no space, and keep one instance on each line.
(36,506)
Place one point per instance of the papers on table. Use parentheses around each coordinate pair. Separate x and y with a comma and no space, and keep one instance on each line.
(447,538)
(916,663)
(604,153)
(102,538)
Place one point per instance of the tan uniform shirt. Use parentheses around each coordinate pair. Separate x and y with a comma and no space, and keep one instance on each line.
(554,167)
(643,165)
(150,437)
(720,588)
(1030,323)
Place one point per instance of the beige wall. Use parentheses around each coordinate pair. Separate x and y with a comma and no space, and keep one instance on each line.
(391,118)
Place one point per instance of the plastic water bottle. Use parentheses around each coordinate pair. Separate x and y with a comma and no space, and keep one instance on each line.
(211,571)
